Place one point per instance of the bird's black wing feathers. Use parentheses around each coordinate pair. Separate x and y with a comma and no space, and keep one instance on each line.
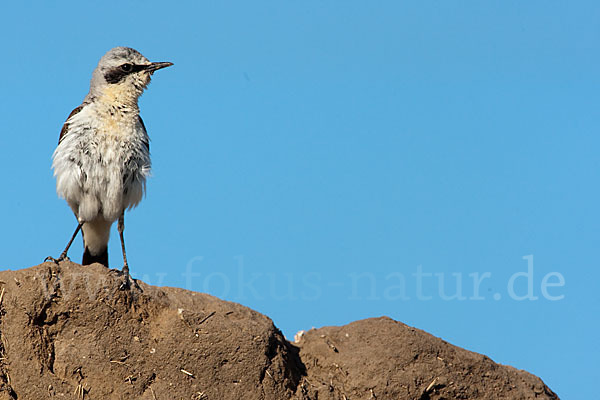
(65,127)
(146,142)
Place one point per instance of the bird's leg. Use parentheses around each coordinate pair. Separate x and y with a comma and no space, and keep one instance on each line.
(121,228)
(63,255)
(128,280)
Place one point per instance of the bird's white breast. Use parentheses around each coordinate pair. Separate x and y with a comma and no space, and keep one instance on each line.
(102,162)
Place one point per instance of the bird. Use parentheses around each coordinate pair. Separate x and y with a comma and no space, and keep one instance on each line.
(103,155)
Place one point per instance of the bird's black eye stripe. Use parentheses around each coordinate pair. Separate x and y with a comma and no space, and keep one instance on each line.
(117,74)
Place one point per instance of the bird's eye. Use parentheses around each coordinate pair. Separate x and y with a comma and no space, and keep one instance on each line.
(126,67)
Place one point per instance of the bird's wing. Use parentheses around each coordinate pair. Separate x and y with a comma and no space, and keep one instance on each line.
(146,139)
(65,127)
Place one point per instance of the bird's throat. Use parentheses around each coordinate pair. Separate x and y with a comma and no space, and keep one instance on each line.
(120,96)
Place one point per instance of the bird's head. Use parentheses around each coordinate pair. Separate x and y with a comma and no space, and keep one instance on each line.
(122,75)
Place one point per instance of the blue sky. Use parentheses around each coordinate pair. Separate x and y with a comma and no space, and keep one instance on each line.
(327,161)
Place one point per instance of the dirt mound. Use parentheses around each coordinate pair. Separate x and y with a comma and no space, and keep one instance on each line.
(69,332)
(380,358)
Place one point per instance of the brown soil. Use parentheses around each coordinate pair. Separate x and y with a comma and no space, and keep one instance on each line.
(69,332)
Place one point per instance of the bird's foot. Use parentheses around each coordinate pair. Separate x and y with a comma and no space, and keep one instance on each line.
(63,257)
(128,282)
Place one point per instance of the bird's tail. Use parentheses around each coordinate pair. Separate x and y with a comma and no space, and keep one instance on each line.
(89,258)
(95,240)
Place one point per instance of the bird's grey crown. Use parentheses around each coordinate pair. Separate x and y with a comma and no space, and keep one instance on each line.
(118,55)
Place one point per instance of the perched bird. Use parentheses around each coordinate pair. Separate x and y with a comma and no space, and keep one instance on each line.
(103,154)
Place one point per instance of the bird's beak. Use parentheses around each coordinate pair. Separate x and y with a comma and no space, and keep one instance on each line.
(157,65)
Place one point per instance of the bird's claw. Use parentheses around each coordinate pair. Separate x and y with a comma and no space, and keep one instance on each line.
(128,282)
(57,260)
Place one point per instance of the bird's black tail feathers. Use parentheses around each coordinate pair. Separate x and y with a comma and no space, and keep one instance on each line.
(101,258)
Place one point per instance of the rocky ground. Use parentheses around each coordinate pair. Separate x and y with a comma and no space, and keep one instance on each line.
(69,332)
